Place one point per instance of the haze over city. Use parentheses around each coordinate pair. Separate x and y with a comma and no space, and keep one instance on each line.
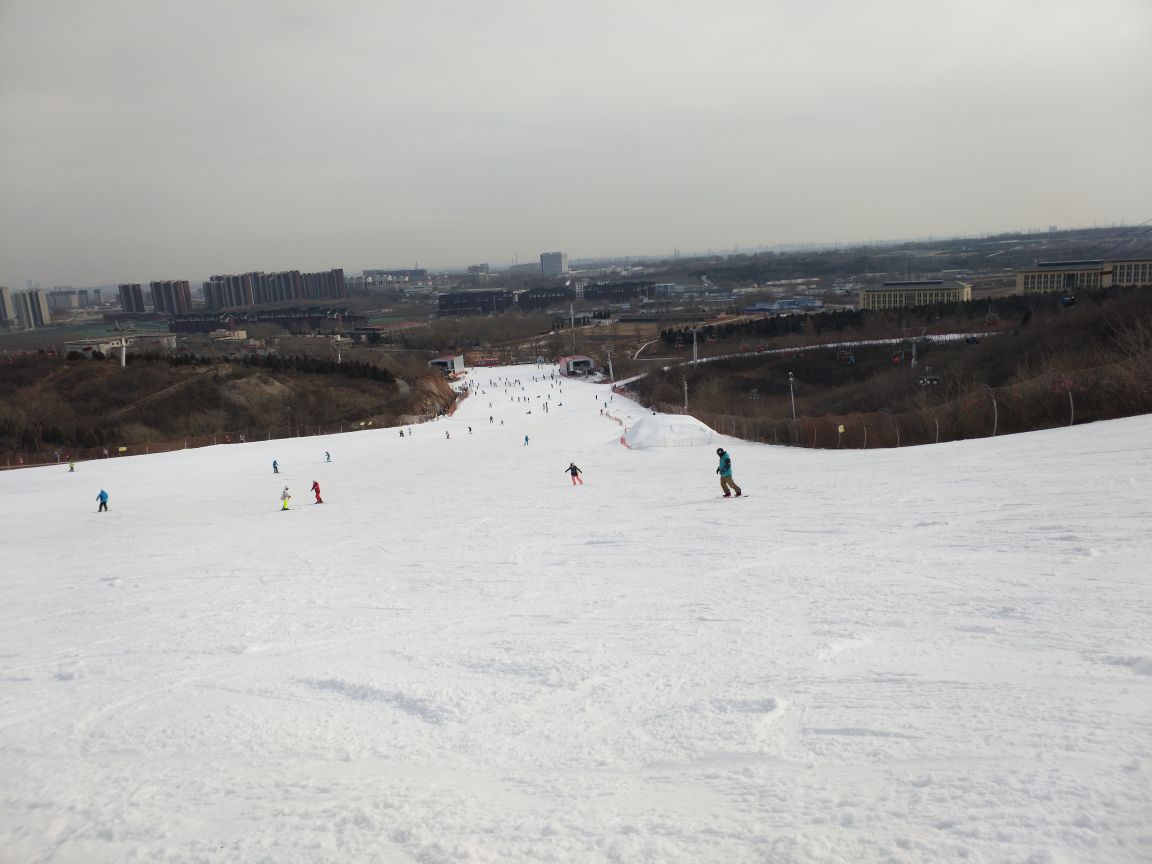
(147,140)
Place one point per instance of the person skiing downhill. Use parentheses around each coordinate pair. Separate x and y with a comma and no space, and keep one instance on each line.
(575,472)
(284,499)
(275,467)
(727,484)
(316,489)
(103,499)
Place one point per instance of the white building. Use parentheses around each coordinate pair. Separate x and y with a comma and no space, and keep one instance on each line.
(449,364)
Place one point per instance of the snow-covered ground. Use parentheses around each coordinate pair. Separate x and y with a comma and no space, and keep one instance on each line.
(916,655)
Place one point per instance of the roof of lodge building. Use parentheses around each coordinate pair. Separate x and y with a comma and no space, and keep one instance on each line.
(1065,265)
(915,283)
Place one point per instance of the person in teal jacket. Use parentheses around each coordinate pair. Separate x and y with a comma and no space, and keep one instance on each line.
(103,499)
(727,484)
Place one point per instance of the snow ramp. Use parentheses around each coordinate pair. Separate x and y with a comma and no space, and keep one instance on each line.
(668,430)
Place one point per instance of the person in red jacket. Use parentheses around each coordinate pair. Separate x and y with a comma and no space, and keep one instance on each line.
(316,489)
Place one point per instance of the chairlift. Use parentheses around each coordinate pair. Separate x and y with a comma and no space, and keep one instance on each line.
(1067,301)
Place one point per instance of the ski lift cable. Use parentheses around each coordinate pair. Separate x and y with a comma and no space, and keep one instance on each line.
(1108,252)
(1111,241)
(1141,249)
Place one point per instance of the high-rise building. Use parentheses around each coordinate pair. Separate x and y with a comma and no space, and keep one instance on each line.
(7,309)
(32,308)
(288,287)
(132,297)
(173,297)
(62,298)
(553,263)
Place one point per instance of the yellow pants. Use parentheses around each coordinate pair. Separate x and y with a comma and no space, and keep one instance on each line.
(728,485)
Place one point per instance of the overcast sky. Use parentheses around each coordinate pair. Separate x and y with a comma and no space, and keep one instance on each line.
(166,139)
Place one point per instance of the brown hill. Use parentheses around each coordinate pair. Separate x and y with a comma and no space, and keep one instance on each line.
(79,407)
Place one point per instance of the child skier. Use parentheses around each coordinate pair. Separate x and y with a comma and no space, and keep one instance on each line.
(727,484)
(103,499)
(316,489)
(284,499)
(575,472)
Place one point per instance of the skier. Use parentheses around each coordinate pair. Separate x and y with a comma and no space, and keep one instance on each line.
(727,484)
(284,499)
(526,437)
(103,499)
(575,472)
(71,466)
(275,467)
(316,489)
(327,456)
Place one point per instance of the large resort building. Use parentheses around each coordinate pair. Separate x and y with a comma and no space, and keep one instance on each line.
(1050,276)
(923,292)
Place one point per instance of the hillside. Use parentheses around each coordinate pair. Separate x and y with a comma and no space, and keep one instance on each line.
(80,407)
(931,654)
(1043,364)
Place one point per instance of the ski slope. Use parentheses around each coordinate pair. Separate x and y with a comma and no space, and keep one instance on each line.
(928,654)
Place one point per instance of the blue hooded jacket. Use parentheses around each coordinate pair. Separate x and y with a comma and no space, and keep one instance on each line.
(725,464)
(103,496)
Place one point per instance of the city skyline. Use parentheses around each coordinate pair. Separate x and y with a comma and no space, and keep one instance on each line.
(162,142)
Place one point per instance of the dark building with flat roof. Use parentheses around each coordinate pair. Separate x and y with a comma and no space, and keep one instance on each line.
(620,291)
(536,299)
(456,304)
(311,319)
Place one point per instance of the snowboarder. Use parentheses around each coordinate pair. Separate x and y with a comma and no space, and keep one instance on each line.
(275,467)
(575,472)
(316,489)
(284,499)
(327,456)
(103,499)
(727,484)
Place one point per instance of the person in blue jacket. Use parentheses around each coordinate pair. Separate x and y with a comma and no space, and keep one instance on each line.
(727,484)
(103,499)
(275,467)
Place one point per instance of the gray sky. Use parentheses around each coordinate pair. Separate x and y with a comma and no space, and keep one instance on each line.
(164,139)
